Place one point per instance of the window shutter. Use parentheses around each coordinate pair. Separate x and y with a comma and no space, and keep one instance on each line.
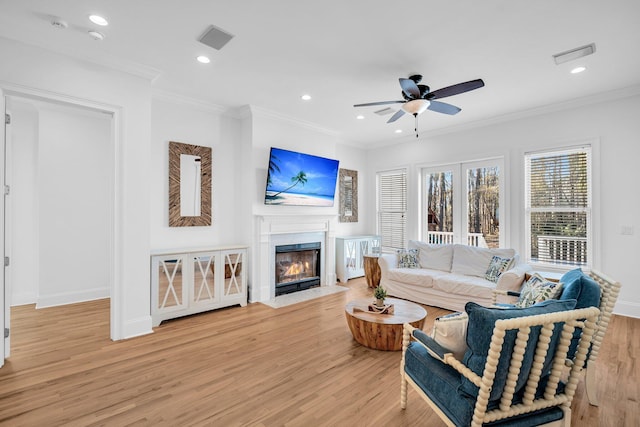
(558,206)
(392,208)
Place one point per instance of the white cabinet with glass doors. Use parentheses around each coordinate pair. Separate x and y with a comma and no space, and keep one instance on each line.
(190,281)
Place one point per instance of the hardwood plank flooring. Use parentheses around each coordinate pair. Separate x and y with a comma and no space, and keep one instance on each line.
(244,366)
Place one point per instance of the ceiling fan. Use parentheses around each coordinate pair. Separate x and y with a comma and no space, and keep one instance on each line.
(418,98)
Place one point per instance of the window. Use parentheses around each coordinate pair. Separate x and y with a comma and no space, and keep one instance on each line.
(462,203)
(392,208)
(558,207)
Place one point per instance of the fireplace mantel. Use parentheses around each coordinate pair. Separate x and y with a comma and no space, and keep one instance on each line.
(278,229)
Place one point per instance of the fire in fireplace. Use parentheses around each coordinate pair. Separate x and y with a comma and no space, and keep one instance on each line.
(297,267)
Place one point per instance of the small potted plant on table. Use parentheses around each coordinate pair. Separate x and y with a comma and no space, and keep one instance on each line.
(379,293)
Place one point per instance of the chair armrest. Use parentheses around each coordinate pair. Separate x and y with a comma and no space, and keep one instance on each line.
(435,349)
(387,262)
(439,353)
(512,279)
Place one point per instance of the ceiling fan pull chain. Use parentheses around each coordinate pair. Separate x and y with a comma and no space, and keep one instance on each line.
(416,128)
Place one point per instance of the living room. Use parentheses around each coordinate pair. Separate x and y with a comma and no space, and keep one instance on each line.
(145,116)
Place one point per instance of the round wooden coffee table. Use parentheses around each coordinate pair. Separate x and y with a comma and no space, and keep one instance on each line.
(382,331)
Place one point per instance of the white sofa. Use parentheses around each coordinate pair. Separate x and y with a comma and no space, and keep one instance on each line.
(449,276)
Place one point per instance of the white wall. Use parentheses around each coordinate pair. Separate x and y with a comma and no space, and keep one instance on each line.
(179,120)
(51,75)
(73,205)
(612,125)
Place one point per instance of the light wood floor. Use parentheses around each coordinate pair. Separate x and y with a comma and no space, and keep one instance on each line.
(258,366)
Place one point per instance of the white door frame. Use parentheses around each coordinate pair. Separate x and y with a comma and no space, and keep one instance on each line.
(115,192)
(4,300)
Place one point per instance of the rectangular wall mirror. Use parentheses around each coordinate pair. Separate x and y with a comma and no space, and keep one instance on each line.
(348,187)
(189,185)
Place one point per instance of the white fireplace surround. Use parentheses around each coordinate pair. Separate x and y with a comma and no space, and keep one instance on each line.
(276,230)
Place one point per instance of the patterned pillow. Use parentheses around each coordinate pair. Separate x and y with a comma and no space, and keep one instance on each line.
(450,332)
(538,289)
(408,258)
(497,266)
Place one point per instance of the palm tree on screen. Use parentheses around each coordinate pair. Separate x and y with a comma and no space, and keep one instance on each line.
(301,177)
(273,167)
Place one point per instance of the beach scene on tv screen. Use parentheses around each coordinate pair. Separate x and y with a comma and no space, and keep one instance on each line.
(300,179)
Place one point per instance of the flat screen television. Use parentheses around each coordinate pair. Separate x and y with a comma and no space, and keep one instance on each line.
(298,179)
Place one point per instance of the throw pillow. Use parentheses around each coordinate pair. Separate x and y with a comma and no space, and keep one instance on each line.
(497,266)
(408,258)
(450,332)
(538,289)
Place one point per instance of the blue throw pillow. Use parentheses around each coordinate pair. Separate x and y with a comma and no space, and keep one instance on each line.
(580,287)
(479,330)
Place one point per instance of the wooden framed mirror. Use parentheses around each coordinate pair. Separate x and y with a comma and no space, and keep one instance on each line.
(348,187)
(189,185)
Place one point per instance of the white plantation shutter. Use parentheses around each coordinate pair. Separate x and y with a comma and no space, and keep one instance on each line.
(392,208)
(558,207)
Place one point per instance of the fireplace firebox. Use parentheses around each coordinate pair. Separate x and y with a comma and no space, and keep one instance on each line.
(297,267)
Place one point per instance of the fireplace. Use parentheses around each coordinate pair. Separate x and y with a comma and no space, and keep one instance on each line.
(297,267)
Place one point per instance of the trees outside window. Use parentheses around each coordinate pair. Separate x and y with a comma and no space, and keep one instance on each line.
(558,205)
(462,203)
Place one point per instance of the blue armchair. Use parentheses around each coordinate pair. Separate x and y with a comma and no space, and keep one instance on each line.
(589,290)
(510,375)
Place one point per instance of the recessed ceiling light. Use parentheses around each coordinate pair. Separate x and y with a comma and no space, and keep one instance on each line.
(398,130)
(96,35)
(578,70)
(203,59)
(305,97)
(360,117)
(98,20)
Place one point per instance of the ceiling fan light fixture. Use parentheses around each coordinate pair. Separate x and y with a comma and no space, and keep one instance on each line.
(99,20)
(416,106)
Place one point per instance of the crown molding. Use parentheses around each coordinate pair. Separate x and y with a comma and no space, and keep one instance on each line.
(176,98)
(269,114)
(118,64)
(598,98)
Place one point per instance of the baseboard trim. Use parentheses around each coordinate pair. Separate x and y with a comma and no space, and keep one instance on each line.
(72,297)
(627,308)
(137,327)
(24,299)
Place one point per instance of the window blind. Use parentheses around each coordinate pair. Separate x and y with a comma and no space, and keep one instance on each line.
(392,208)
(558,206)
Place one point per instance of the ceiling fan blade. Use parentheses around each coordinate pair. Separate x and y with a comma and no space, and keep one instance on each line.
(396,116)
(378,103)
(456,89)
(443,107)
(409,87)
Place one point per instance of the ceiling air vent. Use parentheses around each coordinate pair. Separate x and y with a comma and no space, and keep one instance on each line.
(576,53)
(384,111)
(215,37)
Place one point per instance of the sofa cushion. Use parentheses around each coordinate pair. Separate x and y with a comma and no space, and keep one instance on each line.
(497,266)
(408,258)
(538,289)
(416,276)
(474,261)
(460,284)
(434,257)
(450,331)
(481,323)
